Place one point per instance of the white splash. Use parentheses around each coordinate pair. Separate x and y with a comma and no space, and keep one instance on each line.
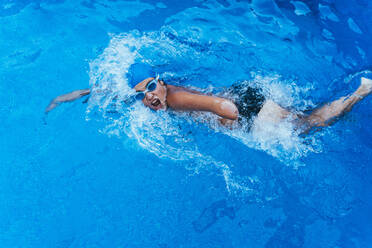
(175,135)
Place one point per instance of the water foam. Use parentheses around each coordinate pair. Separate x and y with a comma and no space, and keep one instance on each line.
(176,136)
(281,139)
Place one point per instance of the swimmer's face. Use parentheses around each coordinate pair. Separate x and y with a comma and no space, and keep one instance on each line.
(155,99)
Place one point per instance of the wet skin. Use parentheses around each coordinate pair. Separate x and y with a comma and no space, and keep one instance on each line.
(179,98)
(156,99)
(183,99)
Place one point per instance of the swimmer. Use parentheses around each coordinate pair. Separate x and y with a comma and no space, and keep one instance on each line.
(237,103)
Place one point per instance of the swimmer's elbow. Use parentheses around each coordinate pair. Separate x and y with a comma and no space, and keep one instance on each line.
(227,109)
(230,115)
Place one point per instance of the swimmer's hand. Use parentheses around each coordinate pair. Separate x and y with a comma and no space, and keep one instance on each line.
(227,122)
(69,97)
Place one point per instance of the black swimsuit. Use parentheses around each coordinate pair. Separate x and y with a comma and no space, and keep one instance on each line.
(248,99)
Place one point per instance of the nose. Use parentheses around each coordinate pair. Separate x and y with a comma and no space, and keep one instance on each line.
(149,95)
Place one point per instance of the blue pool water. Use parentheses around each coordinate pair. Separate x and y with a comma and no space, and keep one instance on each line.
(107,175)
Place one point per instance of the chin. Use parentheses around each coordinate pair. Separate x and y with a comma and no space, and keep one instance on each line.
(159,107)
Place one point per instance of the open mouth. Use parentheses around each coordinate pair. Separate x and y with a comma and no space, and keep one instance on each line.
(155,102)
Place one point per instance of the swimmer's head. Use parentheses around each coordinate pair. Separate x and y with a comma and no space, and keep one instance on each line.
(155,93)
(151,91)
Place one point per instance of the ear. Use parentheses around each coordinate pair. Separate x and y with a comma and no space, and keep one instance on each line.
(161,82)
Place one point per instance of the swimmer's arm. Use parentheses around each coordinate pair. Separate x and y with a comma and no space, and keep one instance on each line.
(183,100)
(191,90)
(69,97)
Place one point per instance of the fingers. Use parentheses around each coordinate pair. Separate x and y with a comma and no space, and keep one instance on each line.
(51,106)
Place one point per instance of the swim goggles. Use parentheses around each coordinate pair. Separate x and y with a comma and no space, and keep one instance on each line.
(151,86)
